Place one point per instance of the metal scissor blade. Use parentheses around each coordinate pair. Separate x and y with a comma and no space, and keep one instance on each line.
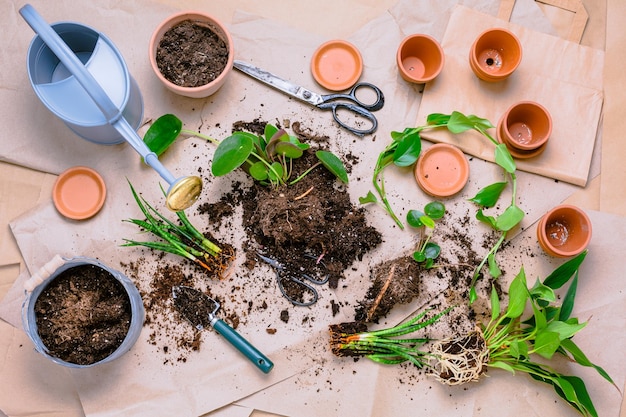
(278,83)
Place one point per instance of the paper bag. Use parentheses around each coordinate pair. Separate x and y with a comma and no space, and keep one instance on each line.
(563,76)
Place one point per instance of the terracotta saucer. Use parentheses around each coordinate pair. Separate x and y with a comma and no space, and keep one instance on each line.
(517,153)
(79,193)
(442,170)
(336,65)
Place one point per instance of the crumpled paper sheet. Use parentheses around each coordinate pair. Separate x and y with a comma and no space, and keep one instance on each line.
(563,76)
(38,243)
(354,388)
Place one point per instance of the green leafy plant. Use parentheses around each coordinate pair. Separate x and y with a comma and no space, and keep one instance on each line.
(404,151)
(268,158)
(488,196)
(427,251)
(179,239)
(510,342)
(384,346)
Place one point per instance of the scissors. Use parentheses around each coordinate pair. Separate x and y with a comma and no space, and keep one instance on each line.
(286,276)
(333,102)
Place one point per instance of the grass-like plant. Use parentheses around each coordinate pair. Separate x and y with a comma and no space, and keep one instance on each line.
(386,346)
(181,239)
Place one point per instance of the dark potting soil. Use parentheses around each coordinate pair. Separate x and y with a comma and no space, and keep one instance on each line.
(192,54)
(83,315)
(313,218)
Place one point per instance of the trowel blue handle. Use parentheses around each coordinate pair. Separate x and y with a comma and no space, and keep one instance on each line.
(253,354)
(110,111)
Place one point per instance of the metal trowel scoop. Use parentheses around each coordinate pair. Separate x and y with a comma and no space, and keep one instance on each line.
(200,310)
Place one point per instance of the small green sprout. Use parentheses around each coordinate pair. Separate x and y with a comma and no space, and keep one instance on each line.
(427,251)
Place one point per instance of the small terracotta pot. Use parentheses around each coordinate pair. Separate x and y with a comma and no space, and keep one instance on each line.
(564,231)
(495,54)
(206,20)
(420,58)
(527,125)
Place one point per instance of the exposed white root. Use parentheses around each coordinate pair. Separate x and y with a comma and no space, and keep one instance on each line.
(461,359)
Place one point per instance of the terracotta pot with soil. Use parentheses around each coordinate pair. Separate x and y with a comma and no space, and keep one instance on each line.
(192,54)
(80,313)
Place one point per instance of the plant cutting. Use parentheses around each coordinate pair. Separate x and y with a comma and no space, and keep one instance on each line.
(179,239)
(404,151)
(427,251)
(509,341)
(384,346)
(269,158)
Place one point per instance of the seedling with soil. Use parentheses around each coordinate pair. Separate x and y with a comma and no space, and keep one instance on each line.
(269,158)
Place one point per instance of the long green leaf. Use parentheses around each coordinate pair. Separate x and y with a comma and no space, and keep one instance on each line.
(565,330)
(495,304)
(488,196)
(509,218)
(333,164)
(518,294)
(504,159)
(162,133)
(546,343)
(564,272)
(408,150)
(568,300)
(582,359)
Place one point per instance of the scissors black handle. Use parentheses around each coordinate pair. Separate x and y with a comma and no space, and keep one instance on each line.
(352,103)
(351,96)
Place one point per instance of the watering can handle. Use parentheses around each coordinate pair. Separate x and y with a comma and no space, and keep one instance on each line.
(43,273)
(110,111)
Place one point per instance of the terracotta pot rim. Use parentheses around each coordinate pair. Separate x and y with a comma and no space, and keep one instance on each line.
(170,21)
(544,242)
(494,77)
(441,61)
(535,144)
(517,153)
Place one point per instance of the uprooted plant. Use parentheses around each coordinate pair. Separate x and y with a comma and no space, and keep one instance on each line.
(509,342)
(384,346)
(268,158)
(181,239)
(404,151)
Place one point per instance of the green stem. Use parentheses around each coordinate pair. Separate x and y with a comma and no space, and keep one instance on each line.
(199,135)
(305,173)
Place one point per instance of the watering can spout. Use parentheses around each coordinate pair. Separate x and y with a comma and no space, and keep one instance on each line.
(182,192)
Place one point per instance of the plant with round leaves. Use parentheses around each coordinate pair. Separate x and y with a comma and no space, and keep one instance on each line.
(268,158)
(427,250)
